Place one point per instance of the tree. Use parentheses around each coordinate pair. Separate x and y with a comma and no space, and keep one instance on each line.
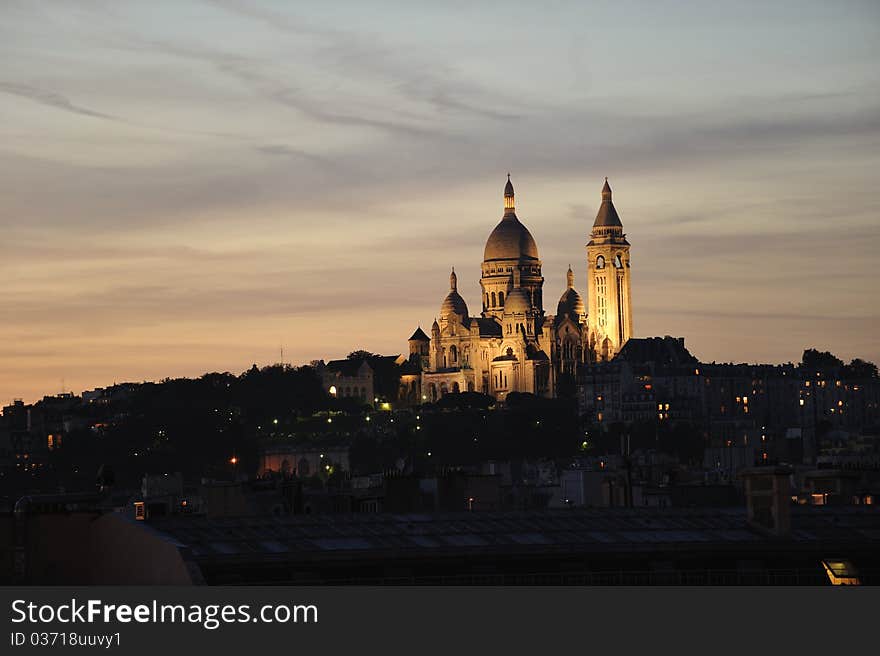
(360,354)
(860,369)
(815,360)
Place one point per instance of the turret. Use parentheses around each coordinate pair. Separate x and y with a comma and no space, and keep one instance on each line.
(419,345)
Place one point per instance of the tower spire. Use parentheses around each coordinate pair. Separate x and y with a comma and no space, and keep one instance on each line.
(570,277)
(453,281)
(607,222)
(508,196)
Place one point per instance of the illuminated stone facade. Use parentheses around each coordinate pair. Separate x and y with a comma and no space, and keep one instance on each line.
(608,282)
(513,345)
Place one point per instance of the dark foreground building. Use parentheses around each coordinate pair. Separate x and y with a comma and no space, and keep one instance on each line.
(609,546)
(79,545)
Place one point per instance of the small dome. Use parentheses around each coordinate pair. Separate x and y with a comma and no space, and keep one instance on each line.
(453,304)
(571,305)
(510,240)
(517,302)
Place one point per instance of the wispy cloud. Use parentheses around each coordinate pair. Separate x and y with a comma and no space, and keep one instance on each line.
(51,99)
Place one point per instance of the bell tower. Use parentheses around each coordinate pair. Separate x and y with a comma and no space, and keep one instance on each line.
(608,282)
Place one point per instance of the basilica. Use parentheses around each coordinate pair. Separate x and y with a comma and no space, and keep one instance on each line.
(513,345)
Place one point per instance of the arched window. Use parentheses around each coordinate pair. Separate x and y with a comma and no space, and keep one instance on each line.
(617,262)
(453,353)
(600,262)
(455,388)
(501,299)
(493,299)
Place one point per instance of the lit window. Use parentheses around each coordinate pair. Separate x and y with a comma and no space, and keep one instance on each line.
(841,572)
(600,262)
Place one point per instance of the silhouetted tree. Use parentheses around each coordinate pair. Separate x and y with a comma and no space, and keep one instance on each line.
(860,369)
(820,360)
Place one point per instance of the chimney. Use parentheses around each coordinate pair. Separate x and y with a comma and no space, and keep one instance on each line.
(768,499)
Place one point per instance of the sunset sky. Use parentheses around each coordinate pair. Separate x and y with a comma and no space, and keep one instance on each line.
(188,186)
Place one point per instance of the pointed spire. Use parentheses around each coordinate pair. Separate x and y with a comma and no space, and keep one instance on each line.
(508,196)
(607,215)
(570,277)
(453,281)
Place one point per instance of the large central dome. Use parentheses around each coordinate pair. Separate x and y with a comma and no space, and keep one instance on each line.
(510,240)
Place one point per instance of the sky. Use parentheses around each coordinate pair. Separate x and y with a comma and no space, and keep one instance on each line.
(193,186)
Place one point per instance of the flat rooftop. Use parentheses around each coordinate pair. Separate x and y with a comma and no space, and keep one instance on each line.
(566,530)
